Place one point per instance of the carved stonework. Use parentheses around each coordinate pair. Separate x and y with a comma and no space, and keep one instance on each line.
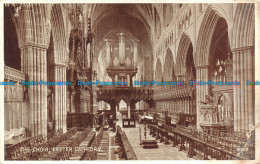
(208,114)
(17,92)
(12,74)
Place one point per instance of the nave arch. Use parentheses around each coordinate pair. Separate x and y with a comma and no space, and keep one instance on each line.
(185,47)
(168,73)
(36,25)
(158,71)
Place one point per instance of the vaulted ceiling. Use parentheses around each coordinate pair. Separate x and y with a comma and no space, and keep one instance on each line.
(144,12)
(109,19)
(134,18)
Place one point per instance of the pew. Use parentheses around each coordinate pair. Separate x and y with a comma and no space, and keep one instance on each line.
(126,151)
(78,154)
(21,149)
(222,147)
(27,150)
(92,155)
(71,146)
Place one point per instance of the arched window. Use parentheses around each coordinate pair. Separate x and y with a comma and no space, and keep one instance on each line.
(190,66)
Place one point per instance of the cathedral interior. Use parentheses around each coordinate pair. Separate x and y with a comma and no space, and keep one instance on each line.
(102,43)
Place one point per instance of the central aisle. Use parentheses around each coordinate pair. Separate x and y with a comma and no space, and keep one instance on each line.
(164,152)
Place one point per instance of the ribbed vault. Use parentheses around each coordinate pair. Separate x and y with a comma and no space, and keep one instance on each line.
(109,19)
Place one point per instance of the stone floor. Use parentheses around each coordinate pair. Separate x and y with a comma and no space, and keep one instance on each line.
(112,146)
(164,152)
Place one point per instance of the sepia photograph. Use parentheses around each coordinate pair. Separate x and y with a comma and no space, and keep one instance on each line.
(129,81)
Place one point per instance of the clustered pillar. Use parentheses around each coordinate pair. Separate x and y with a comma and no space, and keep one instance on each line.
(128,111)
(201,90)
(34,64)
(243,65)
(60,111)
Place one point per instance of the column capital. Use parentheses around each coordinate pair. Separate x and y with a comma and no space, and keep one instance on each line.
(35,45)
(107,40)
(59,65)
(121,34)
(202,66)
(247,48)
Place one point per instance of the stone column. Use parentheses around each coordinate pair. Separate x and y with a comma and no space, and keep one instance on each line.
(60,93)
(128,112)
(128,80)
(35,66)
(201,91)
(250,89)
(64,99)
(243,70)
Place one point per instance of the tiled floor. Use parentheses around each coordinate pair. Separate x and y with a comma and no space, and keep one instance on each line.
(164,152)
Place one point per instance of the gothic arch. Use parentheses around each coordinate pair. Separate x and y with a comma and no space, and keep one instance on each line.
(59,34)
(12,53)
(244,59)
(158,70)
(185,43)
(59,42)
(168,66)
(219,53)
(34,26)
(244,27)
(15,22)
(210,20)
(190,70)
